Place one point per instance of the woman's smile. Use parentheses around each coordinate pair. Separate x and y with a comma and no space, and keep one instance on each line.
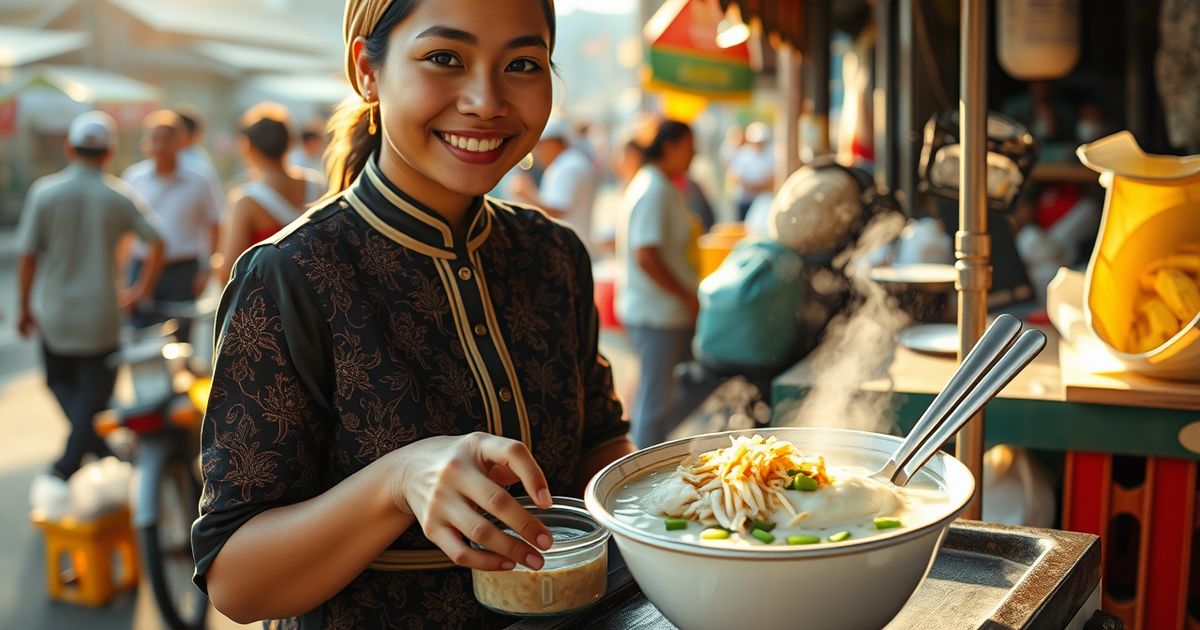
(474,146)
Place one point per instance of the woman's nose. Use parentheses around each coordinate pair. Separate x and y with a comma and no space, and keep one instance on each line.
(483,97)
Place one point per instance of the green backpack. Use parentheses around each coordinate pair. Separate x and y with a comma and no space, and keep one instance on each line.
(751,308)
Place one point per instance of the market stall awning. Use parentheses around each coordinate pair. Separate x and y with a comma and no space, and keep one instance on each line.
(88,85)
(21,46)
(317,89)
(684,55)
(252,58)
(230,20)
(777,18)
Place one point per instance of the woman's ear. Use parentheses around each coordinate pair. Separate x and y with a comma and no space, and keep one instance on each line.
(365,72)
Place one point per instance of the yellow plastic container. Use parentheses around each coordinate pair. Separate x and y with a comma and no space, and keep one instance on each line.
(1152,207)
(717,244)
(89,561)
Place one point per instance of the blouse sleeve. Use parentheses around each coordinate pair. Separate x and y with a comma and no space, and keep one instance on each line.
(269,415)
(603,422)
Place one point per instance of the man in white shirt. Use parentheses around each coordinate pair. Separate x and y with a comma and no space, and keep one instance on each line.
(191,148)
(752,168)
(568,187)
(70,229)
(188,213)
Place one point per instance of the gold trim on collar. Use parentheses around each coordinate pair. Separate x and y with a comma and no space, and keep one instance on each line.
(502,349)
(485,213)
(487,391)
(391,232)
(409,209)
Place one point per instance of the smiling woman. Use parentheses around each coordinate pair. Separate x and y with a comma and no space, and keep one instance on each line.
(388,365)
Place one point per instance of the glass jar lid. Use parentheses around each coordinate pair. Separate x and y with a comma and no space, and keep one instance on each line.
(570,525)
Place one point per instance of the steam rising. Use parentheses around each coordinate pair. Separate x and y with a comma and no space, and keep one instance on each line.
(857,347)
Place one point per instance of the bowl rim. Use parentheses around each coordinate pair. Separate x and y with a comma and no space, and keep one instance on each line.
(789,553)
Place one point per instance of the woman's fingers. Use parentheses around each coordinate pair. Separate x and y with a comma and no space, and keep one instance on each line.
(502,475)
(496,501)
(450,541)
(479,528)
(518,459)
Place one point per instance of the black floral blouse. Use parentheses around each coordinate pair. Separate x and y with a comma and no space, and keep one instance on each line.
(367,326)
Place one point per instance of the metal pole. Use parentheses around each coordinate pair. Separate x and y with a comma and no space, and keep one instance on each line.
(907,139)
(972,244)
(818,27)
(787,126)
(885,96)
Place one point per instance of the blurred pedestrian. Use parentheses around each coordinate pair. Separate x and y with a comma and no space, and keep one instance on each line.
(568,187)
(656,299)
(276,194)
(189,215)
(752,168)
(68,237)
(629,160)
(191,147)
(310,151)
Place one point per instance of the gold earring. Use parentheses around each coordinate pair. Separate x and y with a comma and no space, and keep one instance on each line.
(371,128)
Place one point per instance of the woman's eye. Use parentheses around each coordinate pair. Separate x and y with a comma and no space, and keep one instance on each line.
(443,59)
(524,65)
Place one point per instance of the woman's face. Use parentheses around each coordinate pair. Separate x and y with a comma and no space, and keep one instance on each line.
(464,93)
(677,156)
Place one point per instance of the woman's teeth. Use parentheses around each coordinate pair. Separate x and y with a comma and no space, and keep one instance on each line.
(475,145)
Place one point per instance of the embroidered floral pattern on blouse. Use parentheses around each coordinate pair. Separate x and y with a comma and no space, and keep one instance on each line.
(410,355)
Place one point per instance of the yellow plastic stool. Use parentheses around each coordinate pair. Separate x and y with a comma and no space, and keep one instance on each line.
(80,557)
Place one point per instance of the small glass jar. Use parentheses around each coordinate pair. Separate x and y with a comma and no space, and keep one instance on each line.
(574,576)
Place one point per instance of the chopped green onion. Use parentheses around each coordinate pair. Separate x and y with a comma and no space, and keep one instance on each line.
(884,522)
(839,537)
(676,523)
(803,539)
(804,483)
(763,536)
(766,526)
(714,533)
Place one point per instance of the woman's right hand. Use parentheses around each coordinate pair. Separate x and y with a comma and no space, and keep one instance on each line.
(442,480)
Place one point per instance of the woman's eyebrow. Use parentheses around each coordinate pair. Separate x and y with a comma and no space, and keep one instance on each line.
(447,32)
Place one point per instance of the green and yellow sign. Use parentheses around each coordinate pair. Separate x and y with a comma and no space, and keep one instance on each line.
(684,55)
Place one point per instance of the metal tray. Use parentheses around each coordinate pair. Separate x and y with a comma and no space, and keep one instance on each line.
(985,576)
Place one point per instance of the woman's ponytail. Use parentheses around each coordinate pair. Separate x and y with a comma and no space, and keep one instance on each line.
(351,143)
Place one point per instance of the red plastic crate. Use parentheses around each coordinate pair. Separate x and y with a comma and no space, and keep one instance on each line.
(1146,533)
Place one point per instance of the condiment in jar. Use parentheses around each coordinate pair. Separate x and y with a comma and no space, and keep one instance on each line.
(575,573)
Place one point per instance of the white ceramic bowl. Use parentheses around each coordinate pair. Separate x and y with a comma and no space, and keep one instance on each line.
(842,586)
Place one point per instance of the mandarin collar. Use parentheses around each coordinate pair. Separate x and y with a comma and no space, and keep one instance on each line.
(413,224)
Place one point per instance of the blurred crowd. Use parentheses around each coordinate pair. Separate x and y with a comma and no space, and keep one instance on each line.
(633,195)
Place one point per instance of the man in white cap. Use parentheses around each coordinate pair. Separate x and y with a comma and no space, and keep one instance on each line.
(568,187)
(752,169)
(69,233)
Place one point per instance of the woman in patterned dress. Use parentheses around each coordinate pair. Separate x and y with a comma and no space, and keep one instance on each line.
(390,364)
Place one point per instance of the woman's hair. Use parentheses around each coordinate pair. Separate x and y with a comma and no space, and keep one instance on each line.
(351,143)
(266,127)
(658,135)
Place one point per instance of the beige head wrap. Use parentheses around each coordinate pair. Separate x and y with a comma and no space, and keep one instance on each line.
(360,19)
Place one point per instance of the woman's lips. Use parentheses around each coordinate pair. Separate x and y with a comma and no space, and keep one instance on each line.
(476,148)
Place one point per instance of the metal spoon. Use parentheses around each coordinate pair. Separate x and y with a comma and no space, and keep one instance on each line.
(988,367)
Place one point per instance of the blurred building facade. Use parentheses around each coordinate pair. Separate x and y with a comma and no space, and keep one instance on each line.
(59,58)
